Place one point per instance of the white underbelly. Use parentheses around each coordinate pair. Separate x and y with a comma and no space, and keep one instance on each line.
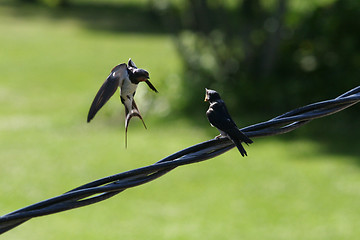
(128,89)
(126,92)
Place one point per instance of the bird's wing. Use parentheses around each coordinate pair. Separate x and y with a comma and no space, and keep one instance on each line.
(131,63)
(233,124)
(133,113)
(151,86)
(117,75)
(219,117)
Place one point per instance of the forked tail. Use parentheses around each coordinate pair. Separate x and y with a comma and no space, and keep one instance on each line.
(133,113)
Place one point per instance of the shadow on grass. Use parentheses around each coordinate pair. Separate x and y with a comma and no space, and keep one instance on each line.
(119,17)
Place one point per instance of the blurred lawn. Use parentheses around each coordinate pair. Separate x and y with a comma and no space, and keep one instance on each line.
(50,70)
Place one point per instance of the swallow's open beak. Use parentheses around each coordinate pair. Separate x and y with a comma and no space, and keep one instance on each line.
(206,95)
(144,79)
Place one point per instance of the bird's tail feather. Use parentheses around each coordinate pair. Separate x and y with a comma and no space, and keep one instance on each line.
(247,140)
(241,136)
(237,137)
(240,147)
(133,113)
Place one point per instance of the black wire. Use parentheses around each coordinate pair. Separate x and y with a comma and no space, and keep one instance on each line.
(110,186)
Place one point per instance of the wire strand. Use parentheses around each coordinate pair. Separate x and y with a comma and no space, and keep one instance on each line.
(104,188)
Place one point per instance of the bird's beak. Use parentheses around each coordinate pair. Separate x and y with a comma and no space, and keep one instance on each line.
(206,98)
(144,79)
(206,95)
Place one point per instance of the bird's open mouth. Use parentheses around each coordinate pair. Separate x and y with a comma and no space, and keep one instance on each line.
(206,95)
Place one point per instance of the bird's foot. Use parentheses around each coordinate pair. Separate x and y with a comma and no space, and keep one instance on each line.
(219,136)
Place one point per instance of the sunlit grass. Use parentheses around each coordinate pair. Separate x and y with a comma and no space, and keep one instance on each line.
(50,72)
(272,194)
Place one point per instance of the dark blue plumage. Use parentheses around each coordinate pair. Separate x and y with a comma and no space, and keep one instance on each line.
(220,118)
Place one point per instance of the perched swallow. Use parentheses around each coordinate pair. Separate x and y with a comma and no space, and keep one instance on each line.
(126,77)
(219,117)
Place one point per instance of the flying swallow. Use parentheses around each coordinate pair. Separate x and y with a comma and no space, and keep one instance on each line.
(126,77)
(219,117)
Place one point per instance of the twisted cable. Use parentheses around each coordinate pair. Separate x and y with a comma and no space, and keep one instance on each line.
(110,186)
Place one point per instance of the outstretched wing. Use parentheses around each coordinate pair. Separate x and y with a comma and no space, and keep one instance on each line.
(131,63)
(117,75)
(151,86)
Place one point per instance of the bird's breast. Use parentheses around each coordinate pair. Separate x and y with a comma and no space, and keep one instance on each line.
(128,88)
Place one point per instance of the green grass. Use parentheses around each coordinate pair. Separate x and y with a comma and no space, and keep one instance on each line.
(50,70)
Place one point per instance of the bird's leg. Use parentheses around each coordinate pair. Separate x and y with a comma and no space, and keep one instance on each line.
(218,136)
(221,135)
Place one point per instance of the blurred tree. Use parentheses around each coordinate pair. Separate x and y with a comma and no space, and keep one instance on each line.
(50,3)
(266,54)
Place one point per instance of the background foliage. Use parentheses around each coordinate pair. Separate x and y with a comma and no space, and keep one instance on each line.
(267,55)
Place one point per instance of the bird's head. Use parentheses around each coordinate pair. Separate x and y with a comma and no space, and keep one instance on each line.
(211,95)
(140,75)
